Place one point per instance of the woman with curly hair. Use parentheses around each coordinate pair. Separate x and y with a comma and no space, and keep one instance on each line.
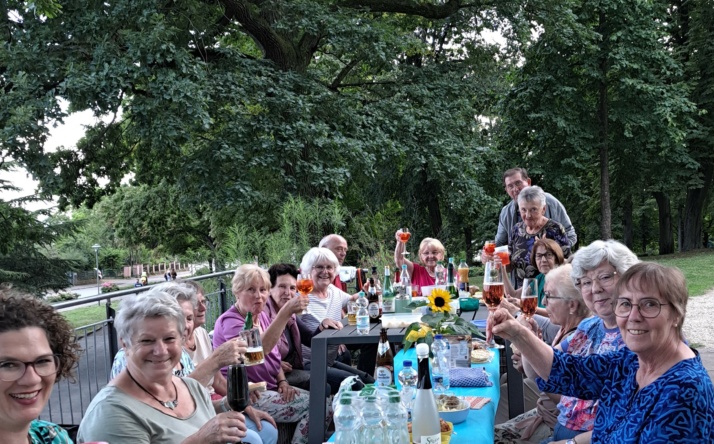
(37,348)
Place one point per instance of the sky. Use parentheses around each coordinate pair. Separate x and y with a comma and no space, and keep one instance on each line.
(64,135)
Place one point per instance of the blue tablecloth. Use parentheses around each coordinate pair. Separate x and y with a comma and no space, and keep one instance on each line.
(478,427)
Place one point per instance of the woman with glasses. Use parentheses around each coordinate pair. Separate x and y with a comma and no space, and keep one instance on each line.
(566,309)
(37,349)
(534,225)
(656,389)
(285,403)
(325,311)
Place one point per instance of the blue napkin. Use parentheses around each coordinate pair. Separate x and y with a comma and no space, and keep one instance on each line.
(480,323)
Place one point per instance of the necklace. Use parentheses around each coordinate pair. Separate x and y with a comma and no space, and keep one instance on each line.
(168,404)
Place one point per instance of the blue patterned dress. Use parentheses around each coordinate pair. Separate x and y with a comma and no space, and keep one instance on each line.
(43,432)
(678,407)
(521,245)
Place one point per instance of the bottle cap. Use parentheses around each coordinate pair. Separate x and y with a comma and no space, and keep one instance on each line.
(422,350)
(438,336)
(394,399)
(407,363)
(404,266)
(346,400)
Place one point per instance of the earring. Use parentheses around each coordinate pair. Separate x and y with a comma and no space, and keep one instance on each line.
(676,325)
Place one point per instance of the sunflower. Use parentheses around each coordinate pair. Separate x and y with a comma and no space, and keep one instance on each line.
(440,300)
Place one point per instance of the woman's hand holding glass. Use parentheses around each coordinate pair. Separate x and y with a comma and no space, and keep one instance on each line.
(222,428)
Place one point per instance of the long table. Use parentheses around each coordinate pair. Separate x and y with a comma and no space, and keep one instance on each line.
(348,335)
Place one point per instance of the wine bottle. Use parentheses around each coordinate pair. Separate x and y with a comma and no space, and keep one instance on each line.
(384,370)
(387,294)
(425,416)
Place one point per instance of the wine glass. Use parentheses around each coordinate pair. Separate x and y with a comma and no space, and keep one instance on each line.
(404,236)
(304,285)
(529,298)
(493,291)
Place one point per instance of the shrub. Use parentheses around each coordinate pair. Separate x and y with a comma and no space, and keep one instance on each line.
(108,287)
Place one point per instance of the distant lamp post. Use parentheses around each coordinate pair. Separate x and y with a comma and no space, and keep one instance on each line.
(96,260)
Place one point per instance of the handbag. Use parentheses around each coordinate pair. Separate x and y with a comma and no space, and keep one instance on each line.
(469,377)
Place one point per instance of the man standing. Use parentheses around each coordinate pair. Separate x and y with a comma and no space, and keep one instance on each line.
(514,180)
(338,245)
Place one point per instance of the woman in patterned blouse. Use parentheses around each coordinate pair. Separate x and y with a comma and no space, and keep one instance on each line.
(37,348)
(654,390)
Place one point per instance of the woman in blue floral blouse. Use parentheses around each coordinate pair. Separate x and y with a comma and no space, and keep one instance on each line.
(654,390)
(37,348)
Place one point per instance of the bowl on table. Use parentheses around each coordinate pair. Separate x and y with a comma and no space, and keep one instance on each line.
(452,408)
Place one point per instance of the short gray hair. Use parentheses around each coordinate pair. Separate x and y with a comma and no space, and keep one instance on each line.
(135,309)
(560,278)
(318,254)
(181,292)
(590,257)
(532,194)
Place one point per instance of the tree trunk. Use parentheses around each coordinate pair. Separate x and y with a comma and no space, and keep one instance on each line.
(627,228)
(468,237)
(605,210)
(431,199)
(666,237)
(693,210)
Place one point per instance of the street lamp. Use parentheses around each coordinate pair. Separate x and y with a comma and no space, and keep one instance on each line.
(96,260)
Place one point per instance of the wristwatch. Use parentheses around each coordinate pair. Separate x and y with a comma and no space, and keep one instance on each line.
(571,441)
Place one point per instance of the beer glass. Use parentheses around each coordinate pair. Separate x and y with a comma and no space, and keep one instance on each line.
(529,298)
(493,291)
(352,313)
(254,354)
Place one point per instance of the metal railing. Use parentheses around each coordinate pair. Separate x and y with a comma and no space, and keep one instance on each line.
(70,399)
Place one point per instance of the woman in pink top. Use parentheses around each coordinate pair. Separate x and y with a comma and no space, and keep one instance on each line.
(431,251)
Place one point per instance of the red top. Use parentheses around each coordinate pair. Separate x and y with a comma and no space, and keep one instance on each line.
(421,277)
(339,284)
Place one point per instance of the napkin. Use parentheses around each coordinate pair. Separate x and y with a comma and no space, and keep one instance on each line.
(469,377)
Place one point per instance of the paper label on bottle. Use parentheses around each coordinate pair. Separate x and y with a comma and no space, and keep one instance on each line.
(373,310)
(388,305)
(433,439)
(383,376)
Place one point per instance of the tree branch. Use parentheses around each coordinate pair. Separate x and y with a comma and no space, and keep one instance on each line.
(342,74)
(409,7)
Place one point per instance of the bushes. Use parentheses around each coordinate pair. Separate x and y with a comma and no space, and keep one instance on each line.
(108,287)
(62,297)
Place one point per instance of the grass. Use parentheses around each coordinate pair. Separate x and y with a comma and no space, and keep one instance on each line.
(697,266)
(79,317)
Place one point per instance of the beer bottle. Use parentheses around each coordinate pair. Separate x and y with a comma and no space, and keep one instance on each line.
(374,309)
(248,321)
(384,370)
(451,285)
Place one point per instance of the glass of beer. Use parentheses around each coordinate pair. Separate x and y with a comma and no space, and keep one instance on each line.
(304,285)
(529,298)
(352,313)
(493,291)
(254,354)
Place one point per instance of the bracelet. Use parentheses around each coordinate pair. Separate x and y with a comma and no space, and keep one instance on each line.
(282,380)
(224,407)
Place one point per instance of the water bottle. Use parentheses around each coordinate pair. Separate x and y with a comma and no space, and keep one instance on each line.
(440,366)
(362,315)
(347,421)
(372,427)
(408,379)
(396,418)
(439,274)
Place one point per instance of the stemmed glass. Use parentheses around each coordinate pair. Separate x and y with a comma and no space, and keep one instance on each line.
(404,236)
(493,291)
(529,298)
(237,393)
(304,285)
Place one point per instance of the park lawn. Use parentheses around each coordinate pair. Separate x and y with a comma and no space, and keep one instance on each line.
(697,266)
(82,316)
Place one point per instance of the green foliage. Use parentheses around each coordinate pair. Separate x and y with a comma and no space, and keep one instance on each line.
(62,297)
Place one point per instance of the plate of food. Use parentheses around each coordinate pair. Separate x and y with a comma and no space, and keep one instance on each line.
(481,356)
(452,408)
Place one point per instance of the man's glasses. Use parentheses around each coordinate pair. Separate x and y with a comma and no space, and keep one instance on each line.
(649,308)
(11,371)
(605,280)
(321,268)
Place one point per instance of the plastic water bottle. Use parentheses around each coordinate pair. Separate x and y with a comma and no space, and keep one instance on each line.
(440,366)
(372,428)
(347,421)
(362,315)
(395,418)
(408,379)
(439,274)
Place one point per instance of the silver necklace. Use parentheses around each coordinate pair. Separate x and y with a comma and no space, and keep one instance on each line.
(168,404)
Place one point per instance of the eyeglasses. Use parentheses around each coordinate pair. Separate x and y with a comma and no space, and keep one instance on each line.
(513,185)
(540,256)
(11,371)
(321,268)
(649,308)
(530,210)
(547,295)
(605,280)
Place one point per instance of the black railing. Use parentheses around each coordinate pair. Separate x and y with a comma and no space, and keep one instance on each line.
(99,342)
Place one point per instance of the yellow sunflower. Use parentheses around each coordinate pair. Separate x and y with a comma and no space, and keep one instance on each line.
(439,300)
